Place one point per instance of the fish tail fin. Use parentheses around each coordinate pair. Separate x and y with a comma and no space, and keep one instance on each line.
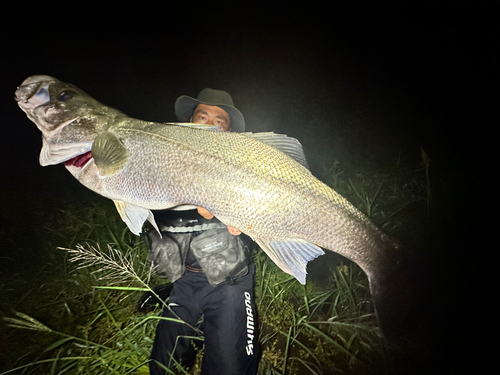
(392,297)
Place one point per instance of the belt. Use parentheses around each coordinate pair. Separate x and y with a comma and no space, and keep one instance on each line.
(192,269)
(194,228)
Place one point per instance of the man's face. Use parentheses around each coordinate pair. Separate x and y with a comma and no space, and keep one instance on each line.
(211,115)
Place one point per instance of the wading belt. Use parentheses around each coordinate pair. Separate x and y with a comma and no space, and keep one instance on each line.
(194,228)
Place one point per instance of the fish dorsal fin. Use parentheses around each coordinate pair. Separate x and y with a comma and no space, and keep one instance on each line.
(283,143)
(135,216)
(109,153)
(291,256)
(195,126)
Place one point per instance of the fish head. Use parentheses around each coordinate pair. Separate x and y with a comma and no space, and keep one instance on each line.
(68,118)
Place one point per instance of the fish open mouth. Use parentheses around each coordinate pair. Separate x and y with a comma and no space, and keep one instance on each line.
(79,161)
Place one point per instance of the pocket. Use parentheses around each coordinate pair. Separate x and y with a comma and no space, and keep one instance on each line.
(165,255)
(211,242)
(220,254)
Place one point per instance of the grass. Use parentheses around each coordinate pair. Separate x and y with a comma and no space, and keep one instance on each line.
(75,311)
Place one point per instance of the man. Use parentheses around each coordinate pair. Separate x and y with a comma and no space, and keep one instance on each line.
(208,264)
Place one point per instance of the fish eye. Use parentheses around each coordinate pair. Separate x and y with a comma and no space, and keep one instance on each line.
(66,95)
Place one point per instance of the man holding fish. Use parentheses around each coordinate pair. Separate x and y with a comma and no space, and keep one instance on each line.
(208,264)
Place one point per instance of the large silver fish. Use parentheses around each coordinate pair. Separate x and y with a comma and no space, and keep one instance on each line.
(242,178)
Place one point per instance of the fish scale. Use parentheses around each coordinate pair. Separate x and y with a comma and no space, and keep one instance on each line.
(258,183)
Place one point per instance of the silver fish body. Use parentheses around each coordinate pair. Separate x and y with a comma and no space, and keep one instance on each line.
(243,179)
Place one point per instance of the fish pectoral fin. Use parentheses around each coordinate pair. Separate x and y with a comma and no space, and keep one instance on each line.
(109,153)
(291,256)
(135,216)
(288,145)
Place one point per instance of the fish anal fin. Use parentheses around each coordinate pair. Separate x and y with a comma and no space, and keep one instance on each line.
(135,216)
(109,153)
(291,256)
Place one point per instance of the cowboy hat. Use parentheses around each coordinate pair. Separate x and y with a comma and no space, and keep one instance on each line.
(185,106)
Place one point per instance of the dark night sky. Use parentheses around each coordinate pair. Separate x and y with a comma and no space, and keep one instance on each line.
(361,86)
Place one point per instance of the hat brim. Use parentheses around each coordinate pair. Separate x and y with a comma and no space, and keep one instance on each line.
(185,105)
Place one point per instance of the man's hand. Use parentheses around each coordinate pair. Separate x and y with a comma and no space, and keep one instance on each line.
(233,231)
(204,212)
(207,215)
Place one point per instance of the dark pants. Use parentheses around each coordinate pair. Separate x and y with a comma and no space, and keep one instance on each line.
(229,326)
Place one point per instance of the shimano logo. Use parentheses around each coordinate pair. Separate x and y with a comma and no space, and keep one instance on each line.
(250,324)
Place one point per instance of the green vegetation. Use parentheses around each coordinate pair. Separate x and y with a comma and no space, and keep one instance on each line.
(74,312)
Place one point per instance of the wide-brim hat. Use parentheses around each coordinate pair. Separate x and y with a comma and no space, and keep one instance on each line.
(185,106)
